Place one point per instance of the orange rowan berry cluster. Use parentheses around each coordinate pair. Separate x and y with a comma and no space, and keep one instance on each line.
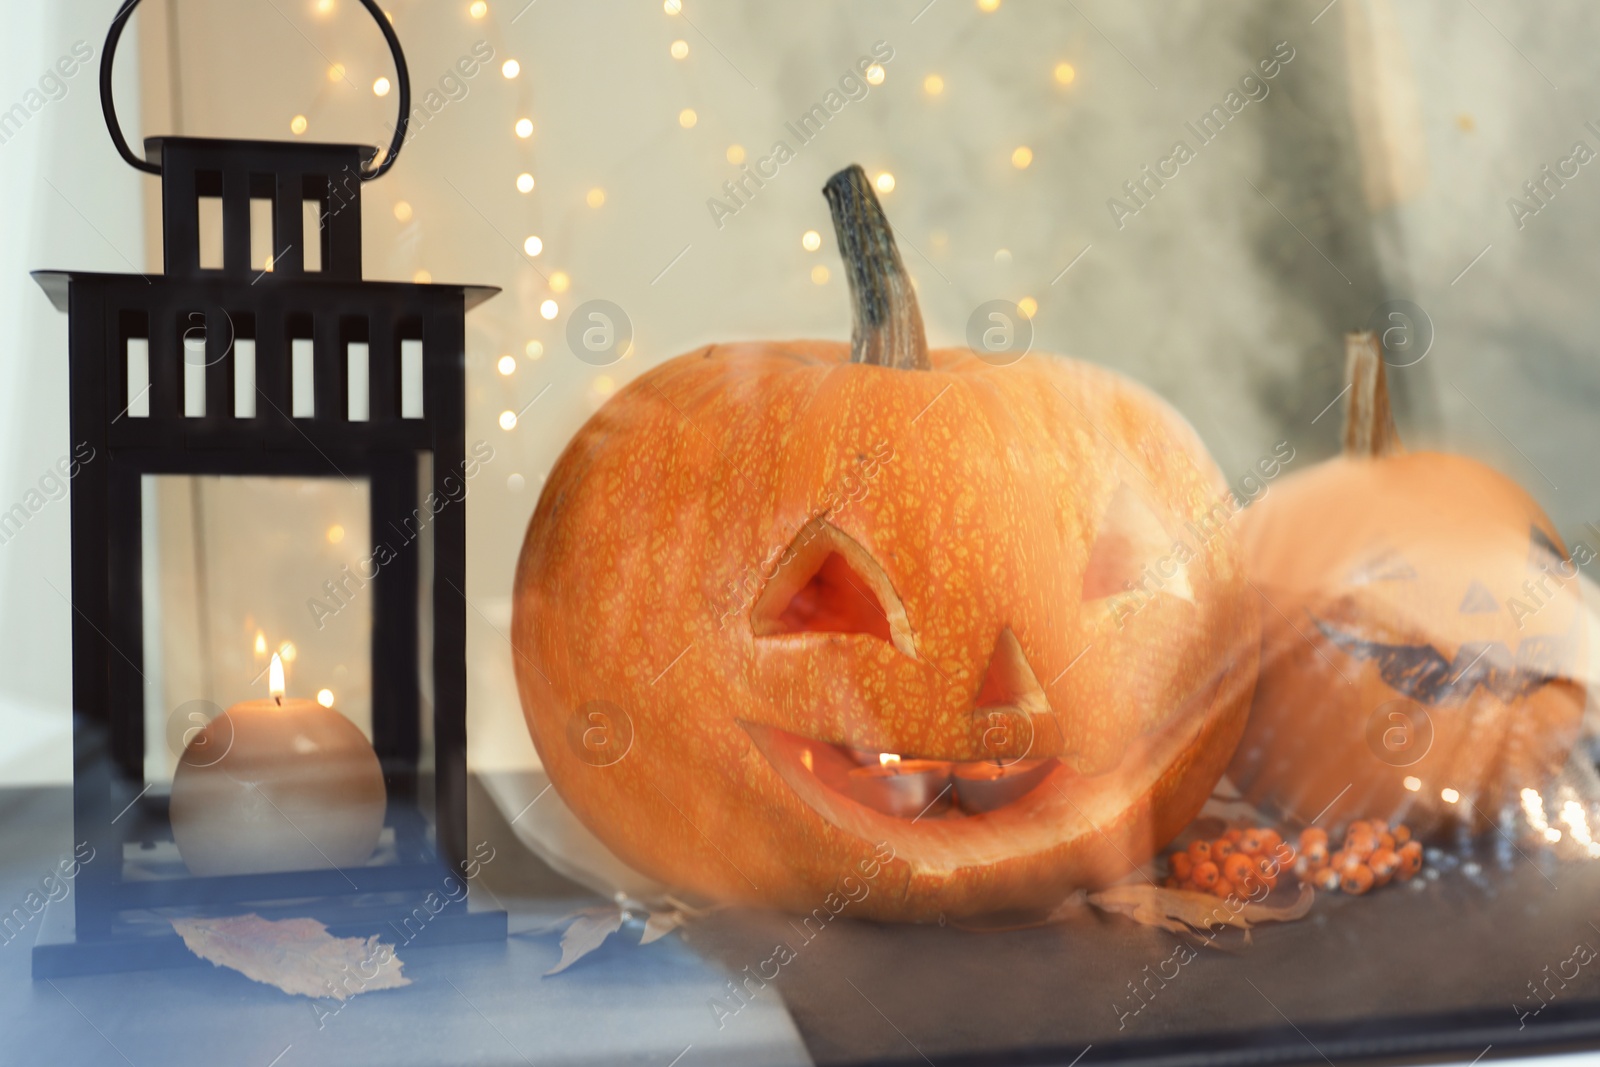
(1372,855)
(1248,862)
(1243,863)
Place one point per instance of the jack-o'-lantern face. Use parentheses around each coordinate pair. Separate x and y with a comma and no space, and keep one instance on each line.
(1424,647)
(782,605)
(878,602)
(1509,645)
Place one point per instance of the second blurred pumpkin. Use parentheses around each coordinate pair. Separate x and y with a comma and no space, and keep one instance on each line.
(1423,636)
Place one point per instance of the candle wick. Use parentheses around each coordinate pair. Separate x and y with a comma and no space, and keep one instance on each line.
(279,699)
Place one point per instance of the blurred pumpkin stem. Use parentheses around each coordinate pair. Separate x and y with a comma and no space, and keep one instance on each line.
(1368,422)
(887,328)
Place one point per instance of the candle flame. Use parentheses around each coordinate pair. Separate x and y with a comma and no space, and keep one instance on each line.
(275,678)
(261,643)
(887,758)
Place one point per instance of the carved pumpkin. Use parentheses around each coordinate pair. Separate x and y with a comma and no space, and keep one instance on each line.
(786,610)
(1422,632)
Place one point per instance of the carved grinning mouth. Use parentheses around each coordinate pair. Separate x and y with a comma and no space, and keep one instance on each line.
(913,787)
(1037,808)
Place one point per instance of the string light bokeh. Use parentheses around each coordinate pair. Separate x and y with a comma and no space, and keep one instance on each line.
(580,159)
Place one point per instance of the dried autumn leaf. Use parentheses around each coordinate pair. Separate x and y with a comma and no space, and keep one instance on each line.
(298,956)
(660,924)
(1182,911)
(587,933)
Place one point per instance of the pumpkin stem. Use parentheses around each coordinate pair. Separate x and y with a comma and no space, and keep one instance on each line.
(1368,421)
(887,326)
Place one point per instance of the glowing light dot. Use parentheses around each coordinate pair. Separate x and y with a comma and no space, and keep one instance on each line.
(324,7)
(325,697)
(595,197)
(335,534)
(1412,783)
(1551,834)
(885,182)
(811,240)
(510,68)
(336,72)
(477,9)
(549,310)
(559,282)
(533,349)
(687,118)
(524,183)
(819,274)
(604,385)
(1021,156)
(672,7)
(1002,256)
(988,5)
(679,49)
(402,210)
(1065,73)
(507,365)
(261,643)
(933,85)
(380,87)
(875,74)
(533,246)
(1028,306)
(422,277)
(1449,796)
(287,652)
(297,125)
(735,154)
(524,128)
(515,483)
(508,420)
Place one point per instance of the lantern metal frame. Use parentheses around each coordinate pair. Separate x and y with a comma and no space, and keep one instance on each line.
(118,923)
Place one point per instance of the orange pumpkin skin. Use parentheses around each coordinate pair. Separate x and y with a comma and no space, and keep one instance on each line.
(1390,584)
(969,498)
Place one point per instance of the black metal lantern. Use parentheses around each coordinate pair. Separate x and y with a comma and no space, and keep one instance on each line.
(305,372)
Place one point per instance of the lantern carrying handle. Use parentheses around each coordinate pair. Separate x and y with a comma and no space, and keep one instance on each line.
(109,107)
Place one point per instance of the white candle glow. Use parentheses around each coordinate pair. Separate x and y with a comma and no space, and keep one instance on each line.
(296,787)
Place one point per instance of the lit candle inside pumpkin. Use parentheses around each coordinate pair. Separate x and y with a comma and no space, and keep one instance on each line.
(905,789)
(281,784)
(990,784)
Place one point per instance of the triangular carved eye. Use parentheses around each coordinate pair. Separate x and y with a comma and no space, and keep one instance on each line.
(826,582)
(1131,538)
(1387,565)
(1478,601)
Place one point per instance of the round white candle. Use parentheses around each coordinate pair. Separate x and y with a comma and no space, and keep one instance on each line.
(297,787)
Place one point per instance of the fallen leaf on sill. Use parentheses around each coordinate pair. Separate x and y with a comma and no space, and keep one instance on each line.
(588,928)
(587,933)
(660,924)
(1184,912)
(298,956)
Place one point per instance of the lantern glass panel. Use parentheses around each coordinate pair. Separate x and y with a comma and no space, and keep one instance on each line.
(238,568)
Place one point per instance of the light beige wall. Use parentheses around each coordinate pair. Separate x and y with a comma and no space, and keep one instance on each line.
(1227,293)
